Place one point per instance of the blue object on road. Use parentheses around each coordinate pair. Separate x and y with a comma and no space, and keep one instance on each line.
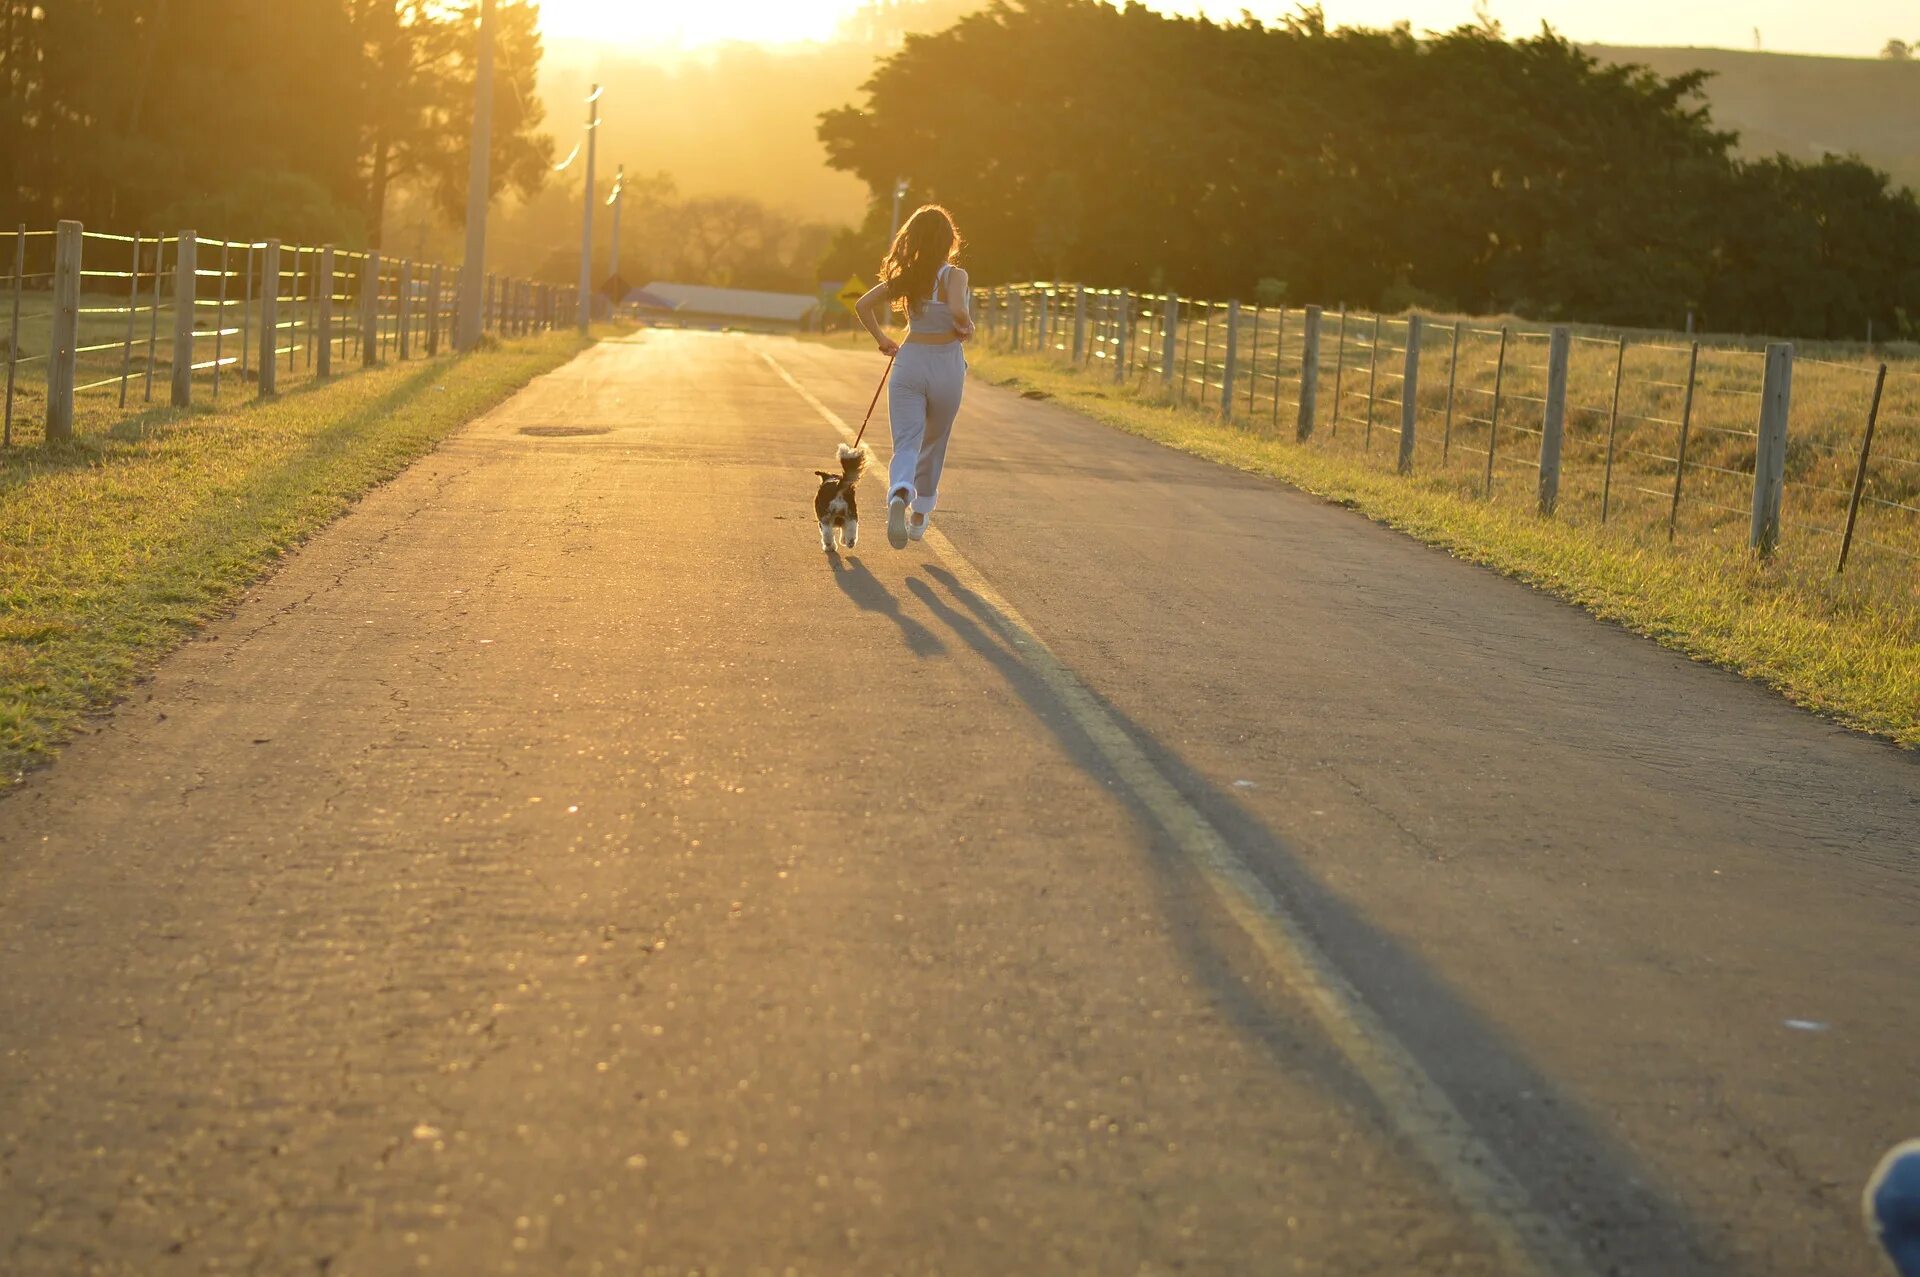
(1893,1206)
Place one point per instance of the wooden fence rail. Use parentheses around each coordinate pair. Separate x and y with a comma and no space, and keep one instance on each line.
(1601,425)
(234,312)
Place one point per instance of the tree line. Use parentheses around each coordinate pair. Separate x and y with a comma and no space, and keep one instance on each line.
(1457,171)
(291,118)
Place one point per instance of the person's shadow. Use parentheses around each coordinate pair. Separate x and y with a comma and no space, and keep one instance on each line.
(861,586)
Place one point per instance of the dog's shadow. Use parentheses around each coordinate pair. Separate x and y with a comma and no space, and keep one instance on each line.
(861,586)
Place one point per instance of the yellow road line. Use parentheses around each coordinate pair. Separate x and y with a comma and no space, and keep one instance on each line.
(1420,1110)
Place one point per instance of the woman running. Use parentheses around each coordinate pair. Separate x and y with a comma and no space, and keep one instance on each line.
(919,279)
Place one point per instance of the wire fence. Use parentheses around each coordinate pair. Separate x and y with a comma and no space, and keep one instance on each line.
(102,327)
(1665,435)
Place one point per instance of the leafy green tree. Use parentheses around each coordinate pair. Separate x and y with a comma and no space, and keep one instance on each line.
(416,79)
(1465,169)
(291,114)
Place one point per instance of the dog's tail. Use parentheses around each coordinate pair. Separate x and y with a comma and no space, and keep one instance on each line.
(853,463)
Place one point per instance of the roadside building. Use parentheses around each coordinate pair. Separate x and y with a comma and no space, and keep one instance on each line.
(700,306)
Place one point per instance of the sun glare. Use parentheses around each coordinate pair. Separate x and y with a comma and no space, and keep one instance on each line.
(707,22)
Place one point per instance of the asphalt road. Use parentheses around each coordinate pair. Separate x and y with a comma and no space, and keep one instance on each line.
(561,866)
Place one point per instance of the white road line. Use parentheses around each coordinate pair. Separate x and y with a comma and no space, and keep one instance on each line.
(1527,1240)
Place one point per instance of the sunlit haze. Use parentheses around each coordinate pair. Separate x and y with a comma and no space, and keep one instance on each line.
(1850,27)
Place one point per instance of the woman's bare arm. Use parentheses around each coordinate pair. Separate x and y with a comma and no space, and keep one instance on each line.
(870,308)
(957,302)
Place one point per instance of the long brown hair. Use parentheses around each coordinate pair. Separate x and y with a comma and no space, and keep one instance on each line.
(927,242)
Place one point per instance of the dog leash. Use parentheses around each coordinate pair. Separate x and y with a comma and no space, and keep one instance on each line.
(876,398)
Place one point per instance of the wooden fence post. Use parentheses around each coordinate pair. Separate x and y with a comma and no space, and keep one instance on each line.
(186,258)
(436,293)
(1122,335)
(370,310)
(406,308)
(1079,323)
(1770,458)
(1553,423)
(1168,338)
(64,348)
(1410,396)
(1014,321)
(324,288)
(1309,374)
(1229,360)
(270,318)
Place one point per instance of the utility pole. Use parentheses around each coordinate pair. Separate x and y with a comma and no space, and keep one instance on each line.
(619,185)
(473,271)
(586,222)
(899,189)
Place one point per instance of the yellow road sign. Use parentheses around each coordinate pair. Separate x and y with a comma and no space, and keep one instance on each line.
(852,291)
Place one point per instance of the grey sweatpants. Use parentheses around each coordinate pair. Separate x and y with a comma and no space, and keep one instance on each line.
(922,400)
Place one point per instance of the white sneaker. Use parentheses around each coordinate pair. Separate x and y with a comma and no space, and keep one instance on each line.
(917,525)
(897,523)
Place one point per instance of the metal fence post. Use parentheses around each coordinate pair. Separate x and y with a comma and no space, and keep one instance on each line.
(324,286)
(13,329)
(1122,335)
(1079,323)
(1309,374)
(1770,458)
(1373,381)
(1168,338)
(64,348)
(1860,473)
(1493,414)
(1453,380)
(1279,362)
(1339,371)
(1613,421)
(1410,396)
(1553,424)
(186,258)
(1686,428)
(270,318)
(1229,359)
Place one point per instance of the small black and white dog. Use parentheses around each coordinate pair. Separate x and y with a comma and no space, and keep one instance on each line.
(836,504)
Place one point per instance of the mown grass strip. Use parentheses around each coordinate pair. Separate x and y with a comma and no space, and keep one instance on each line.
(114,548)
(1821,643)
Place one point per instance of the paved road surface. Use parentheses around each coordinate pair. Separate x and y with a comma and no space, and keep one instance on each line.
(562,867)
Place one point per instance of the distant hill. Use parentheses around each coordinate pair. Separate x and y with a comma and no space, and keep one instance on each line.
(1805,106)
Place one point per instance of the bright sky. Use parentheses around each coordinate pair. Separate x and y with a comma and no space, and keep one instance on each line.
(1847,27)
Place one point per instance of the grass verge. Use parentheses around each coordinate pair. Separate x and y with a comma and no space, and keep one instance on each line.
(116,547)
(1825,644)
